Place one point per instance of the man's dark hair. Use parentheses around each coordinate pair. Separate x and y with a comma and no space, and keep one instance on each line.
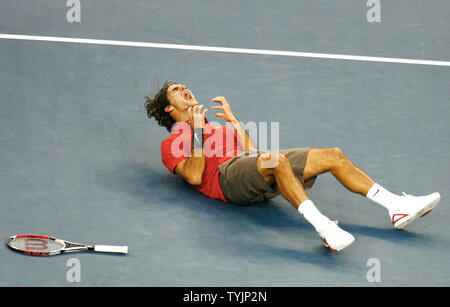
(155,107)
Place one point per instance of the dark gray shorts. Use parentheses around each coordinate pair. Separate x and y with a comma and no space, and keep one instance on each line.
(242,184)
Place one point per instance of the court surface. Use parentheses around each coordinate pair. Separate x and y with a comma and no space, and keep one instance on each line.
(80,160)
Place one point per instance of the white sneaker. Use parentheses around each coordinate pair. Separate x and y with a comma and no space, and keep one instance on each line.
(412,207)
(335,238)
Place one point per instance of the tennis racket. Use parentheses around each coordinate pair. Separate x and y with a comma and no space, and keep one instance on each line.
(39,245)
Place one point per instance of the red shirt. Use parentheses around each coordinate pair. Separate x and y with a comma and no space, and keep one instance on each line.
(220,145)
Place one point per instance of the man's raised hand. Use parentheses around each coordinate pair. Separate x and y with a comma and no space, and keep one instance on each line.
(225,107)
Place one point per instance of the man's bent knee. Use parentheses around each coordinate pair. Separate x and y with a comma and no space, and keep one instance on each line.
(273,161)
(338,157)
(321,160)
(337,153)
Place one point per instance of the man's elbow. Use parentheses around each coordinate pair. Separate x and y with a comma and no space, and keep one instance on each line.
(194,180)
(191,177)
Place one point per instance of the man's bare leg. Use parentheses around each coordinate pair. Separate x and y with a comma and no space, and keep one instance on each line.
(322,160)
(292,190)
(402,209)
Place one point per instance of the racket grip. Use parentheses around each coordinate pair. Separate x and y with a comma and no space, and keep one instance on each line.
(111,249)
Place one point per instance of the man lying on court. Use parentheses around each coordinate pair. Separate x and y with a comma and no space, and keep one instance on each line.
(224,163)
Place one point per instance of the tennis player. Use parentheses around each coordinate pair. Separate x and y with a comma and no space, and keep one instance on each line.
(223,162)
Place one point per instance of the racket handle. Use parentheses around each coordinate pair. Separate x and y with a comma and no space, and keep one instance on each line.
(111,249)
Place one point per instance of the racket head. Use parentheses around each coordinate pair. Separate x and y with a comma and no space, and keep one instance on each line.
(35,245)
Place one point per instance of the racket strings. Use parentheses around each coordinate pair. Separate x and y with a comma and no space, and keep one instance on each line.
(36,244)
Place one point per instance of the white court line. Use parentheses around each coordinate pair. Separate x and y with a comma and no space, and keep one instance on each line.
(223,49)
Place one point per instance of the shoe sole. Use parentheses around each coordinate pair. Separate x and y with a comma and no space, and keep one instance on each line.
(421,213)
(326,244)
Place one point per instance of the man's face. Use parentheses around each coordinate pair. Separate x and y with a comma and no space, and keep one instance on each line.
(180,97)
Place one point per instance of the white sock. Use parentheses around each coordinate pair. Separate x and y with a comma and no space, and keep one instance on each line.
(383,197)
(313,215)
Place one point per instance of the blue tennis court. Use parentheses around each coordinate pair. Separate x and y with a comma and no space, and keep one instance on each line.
(81,161)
